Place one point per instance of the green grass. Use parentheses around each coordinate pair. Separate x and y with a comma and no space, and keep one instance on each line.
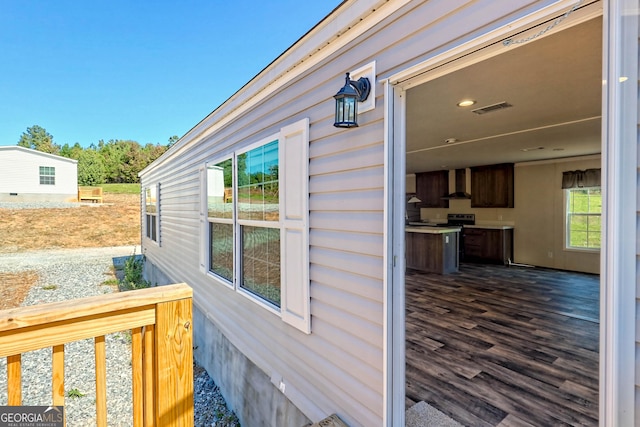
(121,188)
(74,393)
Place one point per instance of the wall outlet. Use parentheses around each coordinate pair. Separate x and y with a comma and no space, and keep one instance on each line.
(550,254)
(499,217)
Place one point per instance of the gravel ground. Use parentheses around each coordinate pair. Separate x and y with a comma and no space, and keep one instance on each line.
(76,273)
(38,205)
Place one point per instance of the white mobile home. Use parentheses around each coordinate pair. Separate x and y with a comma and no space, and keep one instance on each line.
(301,290)
(30,175)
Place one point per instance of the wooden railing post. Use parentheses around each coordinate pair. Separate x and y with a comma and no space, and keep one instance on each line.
(162,355)
(14,379)
(174,363)
(149,375)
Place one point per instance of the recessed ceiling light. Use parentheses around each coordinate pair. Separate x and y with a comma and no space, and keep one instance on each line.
(531,149)
(623,79)
(466,103)
(450,140)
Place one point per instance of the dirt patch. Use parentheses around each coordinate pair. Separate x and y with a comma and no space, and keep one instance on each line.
(116,222)
(15,287)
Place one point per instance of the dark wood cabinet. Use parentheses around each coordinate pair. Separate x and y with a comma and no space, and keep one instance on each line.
(492,186)
(432,252)
(488,245)
(431,187)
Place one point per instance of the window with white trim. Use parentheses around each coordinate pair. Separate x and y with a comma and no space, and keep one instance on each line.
(255,216)
(583,215)
(47,175)
(220,217)
(258,221)
(255,226)
(151,212)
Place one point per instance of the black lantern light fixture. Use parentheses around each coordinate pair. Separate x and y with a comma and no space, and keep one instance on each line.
(347,100)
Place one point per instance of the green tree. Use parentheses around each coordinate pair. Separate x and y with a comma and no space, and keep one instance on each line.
(91,170)
(71,152)
(112,155)
(37,138)
(124,159)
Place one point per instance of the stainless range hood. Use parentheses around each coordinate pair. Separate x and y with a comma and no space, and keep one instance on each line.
(460,186)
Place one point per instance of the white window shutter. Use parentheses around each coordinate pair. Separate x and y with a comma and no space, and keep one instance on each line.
(204,234)
(293,153)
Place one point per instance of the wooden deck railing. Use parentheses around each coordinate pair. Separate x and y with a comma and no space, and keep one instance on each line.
(161,348)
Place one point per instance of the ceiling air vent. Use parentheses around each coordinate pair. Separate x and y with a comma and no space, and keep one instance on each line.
(493,107)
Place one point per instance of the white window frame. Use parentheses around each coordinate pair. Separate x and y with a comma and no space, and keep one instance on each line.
(567,222)
(293,200)
(231,284)
(155,214)
(47,177)
(253,223)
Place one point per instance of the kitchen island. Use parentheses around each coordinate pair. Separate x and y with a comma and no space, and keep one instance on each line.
(432,249)
(488,244)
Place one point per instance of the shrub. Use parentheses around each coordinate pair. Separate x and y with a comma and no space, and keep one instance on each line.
(133,273)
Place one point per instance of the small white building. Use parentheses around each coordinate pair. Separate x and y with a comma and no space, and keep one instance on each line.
(30,175)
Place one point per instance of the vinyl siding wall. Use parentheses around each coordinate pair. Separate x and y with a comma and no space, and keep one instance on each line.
(636,21)
(339,367)
(20,173)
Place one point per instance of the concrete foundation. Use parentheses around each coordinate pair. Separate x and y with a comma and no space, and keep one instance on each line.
(37,197)
(247,389)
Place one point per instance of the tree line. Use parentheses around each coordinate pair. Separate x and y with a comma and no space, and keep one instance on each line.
(114,161)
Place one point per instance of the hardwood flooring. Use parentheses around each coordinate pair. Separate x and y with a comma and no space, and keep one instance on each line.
(504,346)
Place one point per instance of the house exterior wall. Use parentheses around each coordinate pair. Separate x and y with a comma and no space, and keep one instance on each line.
(636,291)
(20,176)
(340,366)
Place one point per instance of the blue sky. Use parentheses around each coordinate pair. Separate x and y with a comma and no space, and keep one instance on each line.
(129,69)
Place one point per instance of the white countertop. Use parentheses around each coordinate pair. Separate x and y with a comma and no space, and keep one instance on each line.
(431,230)
(481,225)
(491,227)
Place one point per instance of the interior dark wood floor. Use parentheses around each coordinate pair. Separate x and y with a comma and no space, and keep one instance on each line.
(504,346)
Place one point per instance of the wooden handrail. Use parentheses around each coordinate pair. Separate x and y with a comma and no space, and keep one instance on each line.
(160,320)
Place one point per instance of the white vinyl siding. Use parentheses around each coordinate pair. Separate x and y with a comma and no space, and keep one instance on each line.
(636,231)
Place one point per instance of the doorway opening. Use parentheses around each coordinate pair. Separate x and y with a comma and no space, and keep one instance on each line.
(511,335)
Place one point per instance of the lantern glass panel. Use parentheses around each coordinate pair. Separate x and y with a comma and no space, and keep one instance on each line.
(346,112)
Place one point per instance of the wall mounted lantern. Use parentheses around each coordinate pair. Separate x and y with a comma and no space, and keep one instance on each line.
(347,100)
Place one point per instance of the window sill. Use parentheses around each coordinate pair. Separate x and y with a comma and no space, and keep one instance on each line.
(583,250)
